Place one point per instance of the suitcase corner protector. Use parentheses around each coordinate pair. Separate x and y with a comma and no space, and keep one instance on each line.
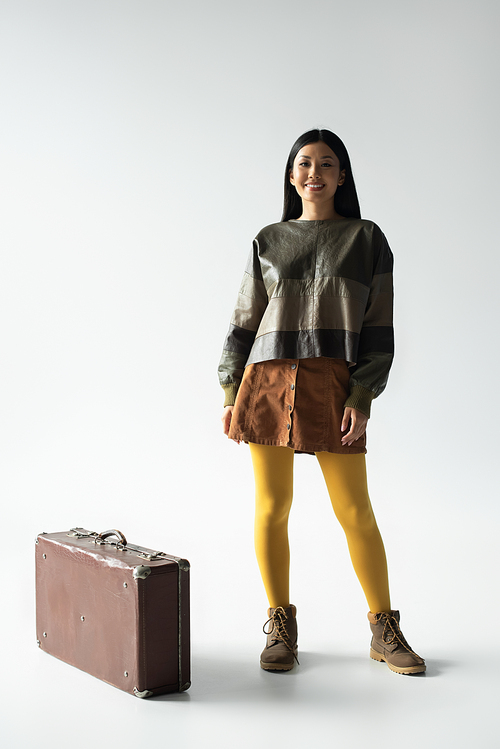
(141,572)
(143,694)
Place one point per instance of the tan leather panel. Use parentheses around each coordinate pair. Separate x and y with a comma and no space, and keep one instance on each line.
(253,287)
(338,313)
(332,303)
(285,313)
(247,313)
(329,285)
(343,287)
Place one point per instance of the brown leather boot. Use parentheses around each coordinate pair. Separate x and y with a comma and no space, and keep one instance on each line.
(389,644)
(281,647)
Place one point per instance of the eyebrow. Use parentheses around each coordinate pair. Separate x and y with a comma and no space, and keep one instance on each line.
(305,156)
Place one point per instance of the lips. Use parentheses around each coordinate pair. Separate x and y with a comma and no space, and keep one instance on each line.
(315,186)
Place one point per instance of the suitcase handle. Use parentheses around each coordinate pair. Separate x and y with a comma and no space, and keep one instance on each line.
(112,532)
(141,551)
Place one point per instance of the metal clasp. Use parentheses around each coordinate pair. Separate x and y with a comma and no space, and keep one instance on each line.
(81,533)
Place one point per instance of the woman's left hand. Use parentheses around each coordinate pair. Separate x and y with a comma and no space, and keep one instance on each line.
(358,425)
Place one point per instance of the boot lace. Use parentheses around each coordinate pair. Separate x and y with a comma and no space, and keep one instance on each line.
(278,629)
(392,633)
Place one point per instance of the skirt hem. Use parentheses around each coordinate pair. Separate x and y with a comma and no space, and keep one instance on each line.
(297,447)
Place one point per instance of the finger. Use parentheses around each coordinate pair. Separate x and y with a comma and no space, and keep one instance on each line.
(345,420)
(353,427)
(355,432)
(226,423)
(349,437)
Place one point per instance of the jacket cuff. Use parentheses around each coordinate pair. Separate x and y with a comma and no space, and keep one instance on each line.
(360,399)
(230,391)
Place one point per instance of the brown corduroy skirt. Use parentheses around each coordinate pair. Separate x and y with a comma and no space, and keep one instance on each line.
(296,403)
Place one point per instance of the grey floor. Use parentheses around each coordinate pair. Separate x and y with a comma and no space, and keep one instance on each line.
(339,698)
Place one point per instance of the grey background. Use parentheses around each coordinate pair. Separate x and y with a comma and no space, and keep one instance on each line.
(142,147)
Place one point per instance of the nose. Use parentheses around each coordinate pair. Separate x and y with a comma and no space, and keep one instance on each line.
(313,171)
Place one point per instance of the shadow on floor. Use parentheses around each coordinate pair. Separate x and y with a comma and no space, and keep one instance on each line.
(319,677)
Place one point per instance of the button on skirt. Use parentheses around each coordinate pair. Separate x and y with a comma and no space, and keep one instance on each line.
(296,403)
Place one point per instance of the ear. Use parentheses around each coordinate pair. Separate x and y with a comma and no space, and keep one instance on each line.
(290,173)
(342,177)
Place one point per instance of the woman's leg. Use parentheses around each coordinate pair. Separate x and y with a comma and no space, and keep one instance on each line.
(345,477)
(273,469)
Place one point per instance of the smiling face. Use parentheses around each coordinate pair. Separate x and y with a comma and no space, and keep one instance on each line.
(316,175)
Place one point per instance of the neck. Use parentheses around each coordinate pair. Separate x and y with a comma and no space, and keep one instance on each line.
(318,213)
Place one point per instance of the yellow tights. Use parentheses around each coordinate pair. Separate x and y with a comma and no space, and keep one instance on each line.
(345,477)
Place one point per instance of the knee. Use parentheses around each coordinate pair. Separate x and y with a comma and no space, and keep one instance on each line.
(272,509)
(356,517)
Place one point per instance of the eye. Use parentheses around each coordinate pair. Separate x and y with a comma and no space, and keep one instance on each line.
(304,163)
(326,164)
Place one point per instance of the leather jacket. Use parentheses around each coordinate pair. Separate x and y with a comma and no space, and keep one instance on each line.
(315,288)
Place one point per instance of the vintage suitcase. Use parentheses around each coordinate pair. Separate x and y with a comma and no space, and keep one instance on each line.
(118,611)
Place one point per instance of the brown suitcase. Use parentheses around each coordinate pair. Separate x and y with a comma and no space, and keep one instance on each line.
(118,611)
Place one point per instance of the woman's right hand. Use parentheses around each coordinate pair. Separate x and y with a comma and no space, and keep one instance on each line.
(226,420)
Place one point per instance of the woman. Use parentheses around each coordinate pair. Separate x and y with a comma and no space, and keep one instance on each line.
(310,345)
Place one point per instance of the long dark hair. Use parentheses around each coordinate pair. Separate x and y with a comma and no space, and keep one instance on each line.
(345,200)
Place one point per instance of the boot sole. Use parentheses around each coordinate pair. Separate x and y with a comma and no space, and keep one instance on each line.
(397,669)
(277,666)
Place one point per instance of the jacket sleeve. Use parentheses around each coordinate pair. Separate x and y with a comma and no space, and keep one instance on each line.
(376,343)
(247,314)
